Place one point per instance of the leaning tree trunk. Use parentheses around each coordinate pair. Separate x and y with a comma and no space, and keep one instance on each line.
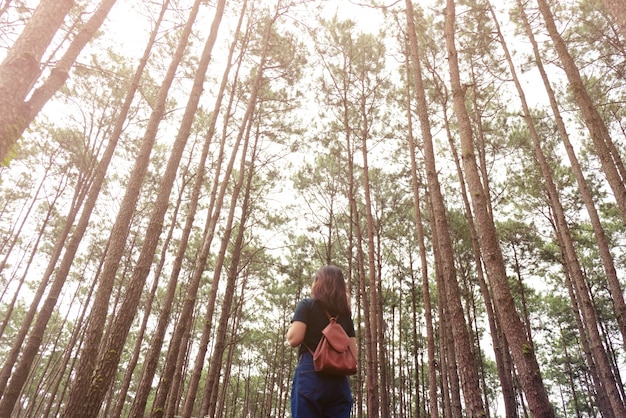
(109,356)
(522,350)
(209,402)
(617,8)
(61,272)
(453,406)
(119,233)
(601,399)
(615,288)
(18,370)
(20,69)
(600,356)
(61,69)
(148,305)
(171,374)
(499,346)
(464,352)
(598,130)
(381,405)
(158,336)
(428,315)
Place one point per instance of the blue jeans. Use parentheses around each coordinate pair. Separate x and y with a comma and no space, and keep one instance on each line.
(318,396)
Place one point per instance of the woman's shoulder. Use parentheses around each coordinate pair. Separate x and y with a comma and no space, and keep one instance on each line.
(305,304)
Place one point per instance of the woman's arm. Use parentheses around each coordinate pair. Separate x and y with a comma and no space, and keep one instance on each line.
(295,333)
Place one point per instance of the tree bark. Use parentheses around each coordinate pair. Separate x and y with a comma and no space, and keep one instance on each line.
(20,69)
(156,343)
(464,352)
(428,316)
(80,387)
(246,174)
(109,356)
(571,260)
(595,125)
(617,8)
(44,313)
(615,288)
(522,350)
(61,70)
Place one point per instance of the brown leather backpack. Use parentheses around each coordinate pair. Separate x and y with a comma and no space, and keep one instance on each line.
(333,355)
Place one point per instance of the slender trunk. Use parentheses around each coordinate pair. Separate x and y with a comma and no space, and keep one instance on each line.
(15,234)
(598,130)
(499,345)
(428,317)
(209,402)
(371,384)
(141,397)
(15,231)
(570,373)
(132,363)
(571,260)
(617,8)
(68,357)
(464,352)
(20,69)
(449,362)
(119,232)
(171,375)
(372,387)
(61,69)
(522,350)
(601,398)
(62,270)
(615,288)
(244,131)
(371,268)
(110,356)
(18,370)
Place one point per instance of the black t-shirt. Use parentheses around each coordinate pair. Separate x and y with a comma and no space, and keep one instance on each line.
(313,315)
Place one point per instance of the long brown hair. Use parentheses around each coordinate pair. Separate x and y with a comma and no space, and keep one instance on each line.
(329,288)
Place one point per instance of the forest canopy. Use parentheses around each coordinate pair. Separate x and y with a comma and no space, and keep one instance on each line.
(173,173)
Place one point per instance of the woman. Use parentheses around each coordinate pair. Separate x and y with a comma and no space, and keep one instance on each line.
(314,394)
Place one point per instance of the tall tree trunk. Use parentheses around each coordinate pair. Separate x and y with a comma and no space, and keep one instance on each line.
(171,374)
(355,226)
(601,397)
(109,356)
(13,368)
(119,233)
(453,406)
(522,350)
(20,69)
(571,376)
(598,130)
(44,313)
(497,338)
(617,8)
(571,260)
(61,70)
(246,174)
(499,345)
(152,358)
(371,268)
(244,132)
(615,288)
(7,247)
(132,363)
(463,347)
(428,316)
